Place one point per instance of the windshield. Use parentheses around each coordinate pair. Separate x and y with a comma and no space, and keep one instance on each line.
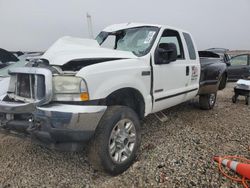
(138,40)
(4,72)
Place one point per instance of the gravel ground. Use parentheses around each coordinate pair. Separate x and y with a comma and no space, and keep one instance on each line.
(177,153)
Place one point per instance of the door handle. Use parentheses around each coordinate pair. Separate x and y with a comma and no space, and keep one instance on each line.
(187,70)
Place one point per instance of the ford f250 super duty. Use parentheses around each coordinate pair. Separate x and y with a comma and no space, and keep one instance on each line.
(95,92)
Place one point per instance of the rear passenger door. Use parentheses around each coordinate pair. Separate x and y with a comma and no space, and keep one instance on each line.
(239,68)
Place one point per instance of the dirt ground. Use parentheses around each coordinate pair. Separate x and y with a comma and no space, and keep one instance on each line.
(177,153)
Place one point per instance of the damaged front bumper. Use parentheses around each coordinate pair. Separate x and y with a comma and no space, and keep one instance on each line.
(52,124)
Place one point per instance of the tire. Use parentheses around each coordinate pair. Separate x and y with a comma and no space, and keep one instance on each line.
(234,99)
(207,101)
(115,131)
(247,100)
(223,82)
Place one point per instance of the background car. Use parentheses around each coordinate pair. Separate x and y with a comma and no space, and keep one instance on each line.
(222,52)
(10,60)
(4,76)
(239,67)
(238,62)
(6,57)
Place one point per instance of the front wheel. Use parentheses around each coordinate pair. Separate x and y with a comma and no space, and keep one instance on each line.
(207,101)
(116,141)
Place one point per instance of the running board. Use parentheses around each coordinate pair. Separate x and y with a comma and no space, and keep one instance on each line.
(161,116)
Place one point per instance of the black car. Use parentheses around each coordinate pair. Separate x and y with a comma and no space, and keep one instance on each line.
(209,62)
(6,57)
(239,67)
(222,52)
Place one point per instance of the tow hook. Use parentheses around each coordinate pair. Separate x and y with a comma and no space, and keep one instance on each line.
(33,125)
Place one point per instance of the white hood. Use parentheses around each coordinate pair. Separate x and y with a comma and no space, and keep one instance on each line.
(68,48)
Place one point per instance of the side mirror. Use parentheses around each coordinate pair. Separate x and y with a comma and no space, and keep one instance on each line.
(166,53)
(228,63)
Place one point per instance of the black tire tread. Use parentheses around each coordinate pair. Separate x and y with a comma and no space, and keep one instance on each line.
(247,100)
(95,146)
(234,99)
(223,82)
(204,102)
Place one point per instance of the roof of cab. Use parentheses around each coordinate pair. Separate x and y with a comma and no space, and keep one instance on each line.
(117,27)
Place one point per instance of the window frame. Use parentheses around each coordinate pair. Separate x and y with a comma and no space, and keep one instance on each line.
(178,37)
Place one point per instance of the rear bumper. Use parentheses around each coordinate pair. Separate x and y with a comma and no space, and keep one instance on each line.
(53,123)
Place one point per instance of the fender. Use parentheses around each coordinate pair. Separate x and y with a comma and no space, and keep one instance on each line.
(105,78)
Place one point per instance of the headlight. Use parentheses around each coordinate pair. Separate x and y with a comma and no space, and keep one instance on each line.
(70,88)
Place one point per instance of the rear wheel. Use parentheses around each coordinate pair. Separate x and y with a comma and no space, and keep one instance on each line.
(247,100)
(116,140)
(207,101)
(223,82)
(234,99)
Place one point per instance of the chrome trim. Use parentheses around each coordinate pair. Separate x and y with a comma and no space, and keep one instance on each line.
(57,116)
(36,71)
(82,118)
(67,108)
(31,93)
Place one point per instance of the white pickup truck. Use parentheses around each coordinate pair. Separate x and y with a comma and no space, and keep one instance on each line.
(95,92)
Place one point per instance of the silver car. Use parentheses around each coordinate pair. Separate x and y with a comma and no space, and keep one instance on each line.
(4,76)
(4,72)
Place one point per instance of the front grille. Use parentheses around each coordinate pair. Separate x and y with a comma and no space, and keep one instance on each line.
(30,86)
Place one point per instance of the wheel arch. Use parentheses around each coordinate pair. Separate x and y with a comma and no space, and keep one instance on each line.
(127,96)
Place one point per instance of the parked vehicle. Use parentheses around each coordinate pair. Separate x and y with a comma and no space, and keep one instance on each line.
(6,57)
(208,57)
(8,64)
(222,52)
(239,67)
(80,92)
(5,78)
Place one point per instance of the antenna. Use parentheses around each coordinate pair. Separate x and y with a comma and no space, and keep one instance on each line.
(90,27)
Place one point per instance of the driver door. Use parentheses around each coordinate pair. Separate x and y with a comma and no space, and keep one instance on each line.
(170,80)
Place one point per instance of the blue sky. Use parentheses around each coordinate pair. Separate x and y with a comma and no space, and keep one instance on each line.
(36,24)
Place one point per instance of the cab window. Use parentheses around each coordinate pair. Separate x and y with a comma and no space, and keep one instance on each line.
(190,45)
(172,36)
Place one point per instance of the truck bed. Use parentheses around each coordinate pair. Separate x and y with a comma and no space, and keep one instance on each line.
(213,71)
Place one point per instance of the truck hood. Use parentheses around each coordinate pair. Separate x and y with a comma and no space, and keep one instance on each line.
(68,48)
